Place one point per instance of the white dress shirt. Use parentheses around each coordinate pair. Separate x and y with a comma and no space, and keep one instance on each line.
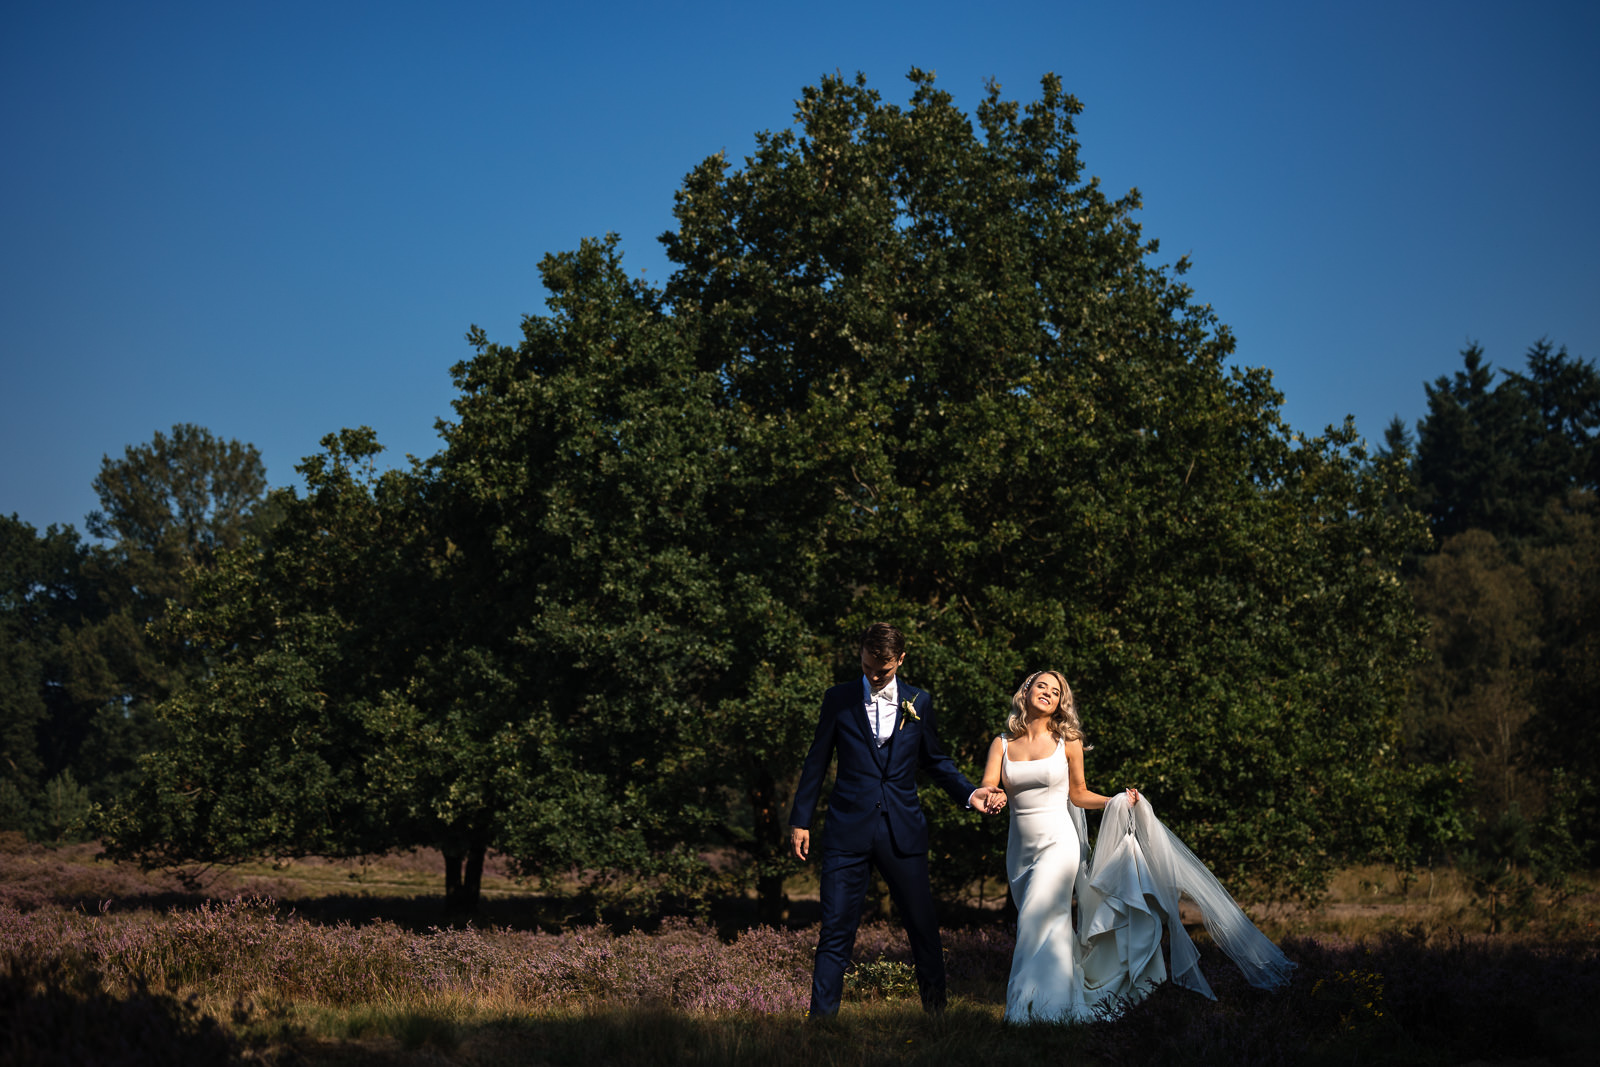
(883,708)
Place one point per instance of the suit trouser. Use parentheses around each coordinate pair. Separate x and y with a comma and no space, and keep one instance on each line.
(844,876)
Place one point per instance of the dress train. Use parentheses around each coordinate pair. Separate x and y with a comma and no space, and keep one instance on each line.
(1127,895)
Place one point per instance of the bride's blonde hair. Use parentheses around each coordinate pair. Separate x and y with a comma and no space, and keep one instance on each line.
(1063,721)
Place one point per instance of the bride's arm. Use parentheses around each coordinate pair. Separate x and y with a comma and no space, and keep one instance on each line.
(990,797)
(1077,790)
(991,769)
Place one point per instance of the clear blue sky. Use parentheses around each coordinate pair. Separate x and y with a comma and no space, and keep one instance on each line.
(278,219)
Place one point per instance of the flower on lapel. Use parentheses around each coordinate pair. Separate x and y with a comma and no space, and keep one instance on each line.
(909,706)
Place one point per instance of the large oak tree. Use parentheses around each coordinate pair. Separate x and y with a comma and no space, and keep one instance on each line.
(913,369)
(910,364)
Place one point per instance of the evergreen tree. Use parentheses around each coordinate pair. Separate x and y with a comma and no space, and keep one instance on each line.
(1494,456)
(43,590)
(1561,449)
(1466,451)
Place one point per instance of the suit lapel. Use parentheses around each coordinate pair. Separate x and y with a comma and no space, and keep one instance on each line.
(905,693)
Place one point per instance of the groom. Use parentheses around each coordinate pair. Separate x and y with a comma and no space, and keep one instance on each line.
(883,731)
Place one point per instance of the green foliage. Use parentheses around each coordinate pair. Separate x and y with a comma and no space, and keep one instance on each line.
(268,752)
(1560,847)
(16,811)
(1492,456)
(1507,471)
(36,574)
(908,366)
(1474,695)
(611,523)
(1432,816)
(1497,864)
(166,509)
(66,808)
(1564,733)
(47,725)
(359,700)
(1356,998)
(82,613)
(880,979)
(907,369)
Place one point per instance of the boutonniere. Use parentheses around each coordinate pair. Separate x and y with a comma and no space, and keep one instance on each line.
(910,708)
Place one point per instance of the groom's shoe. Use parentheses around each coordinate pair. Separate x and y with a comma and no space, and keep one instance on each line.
(821,1019)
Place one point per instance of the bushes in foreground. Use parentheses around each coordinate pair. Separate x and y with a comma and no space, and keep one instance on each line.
(249,949)
(1398,999)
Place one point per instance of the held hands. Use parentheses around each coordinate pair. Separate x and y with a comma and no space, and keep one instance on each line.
(989,799)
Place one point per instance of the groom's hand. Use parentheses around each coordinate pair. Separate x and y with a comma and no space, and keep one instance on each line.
(988,799)
(800,840)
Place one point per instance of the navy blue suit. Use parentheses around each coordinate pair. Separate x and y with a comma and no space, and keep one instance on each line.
(874,818)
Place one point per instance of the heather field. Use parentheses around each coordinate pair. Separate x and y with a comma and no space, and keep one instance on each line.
(320,962)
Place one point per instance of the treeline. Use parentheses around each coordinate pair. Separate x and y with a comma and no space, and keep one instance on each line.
(1506,468)
(910,365)
(83,663)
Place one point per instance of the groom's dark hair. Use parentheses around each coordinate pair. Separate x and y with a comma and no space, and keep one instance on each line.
(883,640)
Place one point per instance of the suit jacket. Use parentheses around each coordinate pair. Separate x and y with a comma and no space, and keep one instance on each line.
(872,779)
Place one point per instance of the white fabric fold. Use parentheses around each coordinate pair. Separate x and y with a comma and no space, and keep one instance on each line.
(1127,893)
(1173,871)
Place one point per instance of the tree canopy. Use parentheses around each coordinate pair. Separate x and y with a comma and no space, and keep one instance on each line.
(1492,455)
(910,364)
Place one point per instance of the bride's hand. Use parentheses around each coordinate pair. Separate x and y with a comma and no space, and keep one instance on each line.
(1133,796)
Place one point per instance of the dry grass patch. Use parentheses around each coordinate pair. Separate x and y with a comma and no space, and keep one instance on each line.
(1367,902)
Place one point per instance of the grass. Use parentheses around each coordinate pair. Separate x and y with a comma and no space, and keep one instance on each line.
(1368,901)
(94,952)
(865,1034)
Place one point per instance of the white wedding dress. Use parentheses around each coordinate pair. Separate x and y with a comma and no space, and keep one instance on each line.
(1127,894)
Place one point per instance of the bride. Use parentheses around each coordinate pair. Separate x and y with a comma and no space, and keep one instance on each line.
(1126,895)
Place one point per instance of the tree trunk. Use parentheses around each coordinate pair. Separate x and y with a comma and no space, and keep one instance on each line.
(472,883)
(463,875)
(772,905)
(452,878)
(772,836)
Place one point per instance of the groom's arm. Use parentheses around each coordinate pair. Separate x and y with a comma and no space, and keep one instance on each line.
(944,770)
(812,772)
